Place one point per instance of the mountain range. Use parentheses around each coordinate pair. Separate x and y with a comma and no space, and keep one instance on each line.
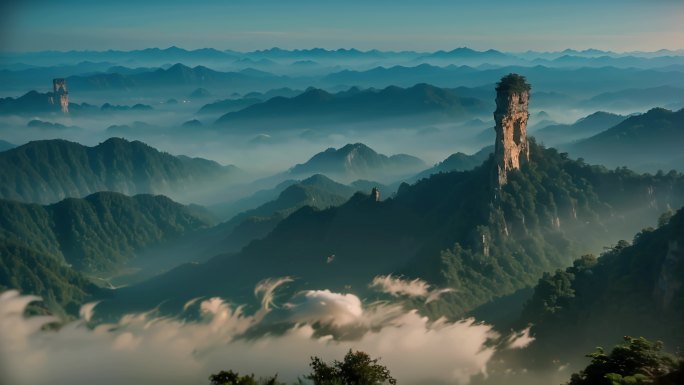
(458,162)
(358,161)
(585,127)
(637,98)
(83,224)
(447,229)
(647,141)
(98,60)
(49,170)
(316,107)
(29,103)
(178,75)
(317,191)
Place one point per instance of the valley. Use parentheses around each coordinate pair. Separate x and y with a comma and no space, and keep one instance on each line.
(470,216)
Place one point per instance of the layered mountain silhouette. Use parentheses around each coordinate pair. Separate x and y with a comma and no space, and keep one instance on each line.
(453,229)
(570,80)
(650,139)
(49,170)
(200,93)
(636,98)
(358,161)
(227,105)
(317,191)
(178,75)
(587,126)
(31,102)
(319,107)
(458,162)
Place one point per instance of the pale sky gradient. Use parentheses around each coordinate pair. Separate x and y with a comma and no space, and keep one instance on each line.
(424,25)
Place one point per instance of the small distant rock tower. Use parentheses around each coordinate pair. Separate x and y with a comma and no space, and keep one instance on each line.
(60,92)
(375,194)
(511,148)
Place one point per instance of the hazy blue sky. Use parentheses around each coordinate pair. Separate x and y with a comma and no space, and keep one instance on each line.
(620,25)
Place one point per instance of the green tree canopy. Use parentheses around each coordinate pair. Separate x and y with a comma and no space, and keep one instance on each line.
(357,369)
(513,83)
(234,378)
(634,362)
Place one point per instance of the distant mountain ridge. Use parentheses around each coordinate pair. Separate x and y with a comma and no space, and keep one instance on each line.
(174,54)
(34,102)
(458,162)
(588,126)
(174,76)
(316,191)
(357,161)
(637,97)
(49,170)
(638,141)
(316,106)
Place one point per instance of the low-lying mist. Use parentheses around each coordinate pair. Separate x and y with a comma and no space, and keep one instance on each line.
(278,338)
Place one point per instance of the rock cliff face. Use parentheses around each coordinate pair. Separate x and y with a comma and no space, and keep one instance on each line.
(61,94)
(511,148)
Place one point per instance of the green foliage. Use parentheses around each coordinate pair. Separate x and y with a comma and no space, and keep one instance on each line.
(357,368)
(630,289)
(63,290)
(554,293)
(513,83)
(233,378)
(99,233)
(455,230)
(317,191)
(49,170)
(637,361)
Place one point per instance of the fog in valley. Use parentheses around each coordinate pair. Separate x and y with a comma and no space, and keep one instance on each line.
(466,216)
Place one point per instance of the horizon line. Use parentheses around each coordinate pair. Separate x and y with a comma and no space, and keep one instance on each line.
(276,48)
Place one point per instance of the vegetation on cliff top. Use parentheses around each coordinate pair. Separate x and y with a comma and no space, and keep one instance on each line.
(513,83)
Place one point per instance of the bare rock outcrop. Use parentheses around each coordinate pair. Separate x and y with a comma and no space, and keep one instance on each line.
(375,194)
(60,94)
(511,148)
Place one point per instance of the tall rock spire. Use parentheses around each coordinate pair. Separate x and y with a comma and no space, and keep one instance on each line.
(61,94)
(511,148)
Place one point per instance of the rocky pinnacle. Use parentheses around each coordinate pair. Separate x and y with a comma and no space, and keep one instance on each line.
(511,148)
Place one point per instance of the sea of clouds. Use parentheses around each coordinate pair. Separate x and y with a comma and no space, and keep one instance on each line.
(146,348)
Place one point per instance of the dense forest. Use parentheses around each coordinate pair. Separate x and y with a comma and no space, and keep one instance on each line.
(631,289)
(455,230)
(47,171)
(47,249)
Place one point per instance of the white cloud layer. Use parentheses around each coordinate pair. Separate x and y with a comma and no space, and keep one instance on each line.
(397,287)
(146,349)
